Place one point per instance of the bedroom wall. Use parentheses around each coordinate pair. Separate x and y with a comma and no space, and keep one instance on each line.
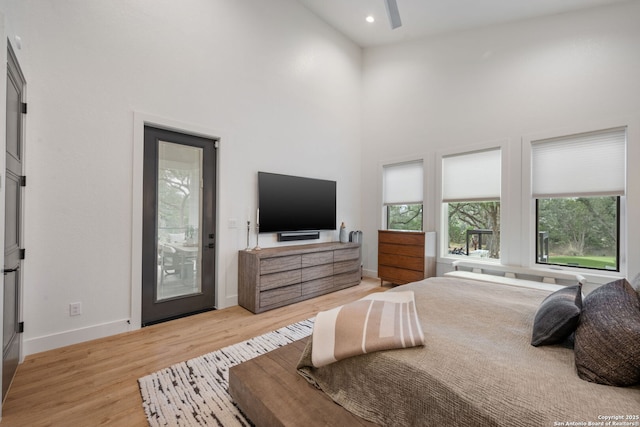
(281,88)
(277,84)
(565,72)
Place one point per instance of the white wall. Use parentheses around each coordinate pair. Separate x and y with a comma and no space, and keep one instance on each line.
(285,93)
(499,85)
(281,88)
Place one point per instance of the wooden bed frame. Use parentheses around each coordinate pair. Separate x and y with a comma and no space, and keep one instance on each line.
(271,393)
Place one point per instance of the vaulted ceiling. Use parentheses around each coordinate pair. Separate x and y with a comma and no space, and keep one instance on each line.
(421,18)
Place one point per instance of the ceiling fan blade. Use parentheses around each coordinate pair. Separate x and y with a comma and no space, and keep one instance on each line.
(393,13)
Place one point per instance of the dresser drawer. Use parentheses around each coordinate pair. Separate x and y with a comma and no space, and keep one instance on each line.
(281,263)
(277,280)
(280,296)
(401,261)
(346,266)
(317,272)
(318,258)
(346,279)
(396,249)
(401,237)
(346,254)
(317,287)
(399,276)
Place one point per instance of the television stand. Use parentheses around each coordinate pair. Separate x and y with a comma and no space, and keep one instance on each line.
(275,277)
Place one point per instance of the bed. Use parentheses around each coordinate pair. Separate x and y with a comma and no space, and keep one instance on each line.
(477,367)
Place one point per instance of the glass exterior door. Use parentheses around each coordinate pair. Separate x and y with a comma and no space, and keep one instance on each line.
(178,225)
(179,220)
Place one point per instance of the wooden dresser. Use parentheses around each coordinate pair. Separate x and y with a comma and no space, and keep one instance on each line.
(402,257)
(274,277)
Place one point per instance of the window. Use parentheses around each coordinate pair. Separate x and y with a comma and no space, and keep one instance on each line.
(471,203)
(578,183)
(402,189)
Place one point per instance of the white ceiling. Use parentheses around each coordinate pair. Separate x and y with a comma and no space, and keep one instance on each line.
(421,18)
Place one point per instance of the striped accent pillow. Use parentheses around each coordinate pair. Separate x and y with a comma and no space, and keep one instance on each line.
(380,321)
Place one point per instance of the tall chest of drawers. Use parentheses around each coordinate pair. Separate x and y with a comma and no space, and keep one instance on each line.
(274,277)
(402,257)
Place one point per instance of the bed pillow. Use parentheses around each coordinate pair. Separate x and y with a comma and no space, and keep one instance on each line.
(557,317)
(607,341)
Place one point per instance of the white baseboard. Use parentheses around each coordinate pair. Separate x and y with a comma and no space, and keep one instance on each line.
(370,273)
(63,339)
(229,301)
(49,342)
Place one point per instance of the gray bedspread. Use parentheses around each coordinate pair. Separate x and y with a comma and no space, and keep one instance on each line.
(477,368)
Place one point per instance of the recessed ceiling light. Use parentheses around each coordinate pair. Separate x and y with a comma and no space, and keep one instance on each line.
(370,19)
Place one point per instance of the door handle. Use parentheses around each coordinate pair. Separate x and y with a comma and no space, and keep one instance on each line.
(10,270)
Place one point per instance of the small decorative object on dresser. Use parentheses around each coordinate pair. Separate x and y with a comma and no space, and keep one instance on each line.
(402,257)
(274,277)
(248,234)
(343,234)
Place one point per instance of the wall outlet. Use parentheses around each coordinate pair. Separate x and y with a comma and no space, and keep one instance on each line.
(75,309)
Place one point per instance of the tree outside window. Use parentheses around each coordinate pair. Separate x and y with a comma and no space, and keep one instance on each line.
(404,217)
(474,229)
(579,232)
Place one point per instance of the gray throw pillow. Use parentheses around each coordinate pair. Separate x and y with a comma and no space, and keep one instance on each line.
(607,340)
(557,317)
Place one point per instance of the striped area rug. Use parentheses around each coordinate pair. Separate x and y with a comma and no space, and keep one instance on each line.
(195,392)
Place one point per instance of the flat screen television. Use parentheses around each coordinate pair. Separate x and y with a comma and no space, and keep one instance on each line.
(292,203)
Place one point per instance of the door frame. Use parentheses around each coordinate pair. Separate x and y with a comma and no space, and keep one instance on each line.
(140,120)
(202,151)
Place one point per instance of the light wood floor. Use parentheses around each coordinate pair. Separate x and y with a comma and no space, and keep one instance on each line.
(95,383)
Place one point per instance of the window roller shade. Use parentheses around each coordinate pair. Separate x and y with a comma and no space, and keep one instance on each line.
(591,164)
(403,183)
(471,177)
